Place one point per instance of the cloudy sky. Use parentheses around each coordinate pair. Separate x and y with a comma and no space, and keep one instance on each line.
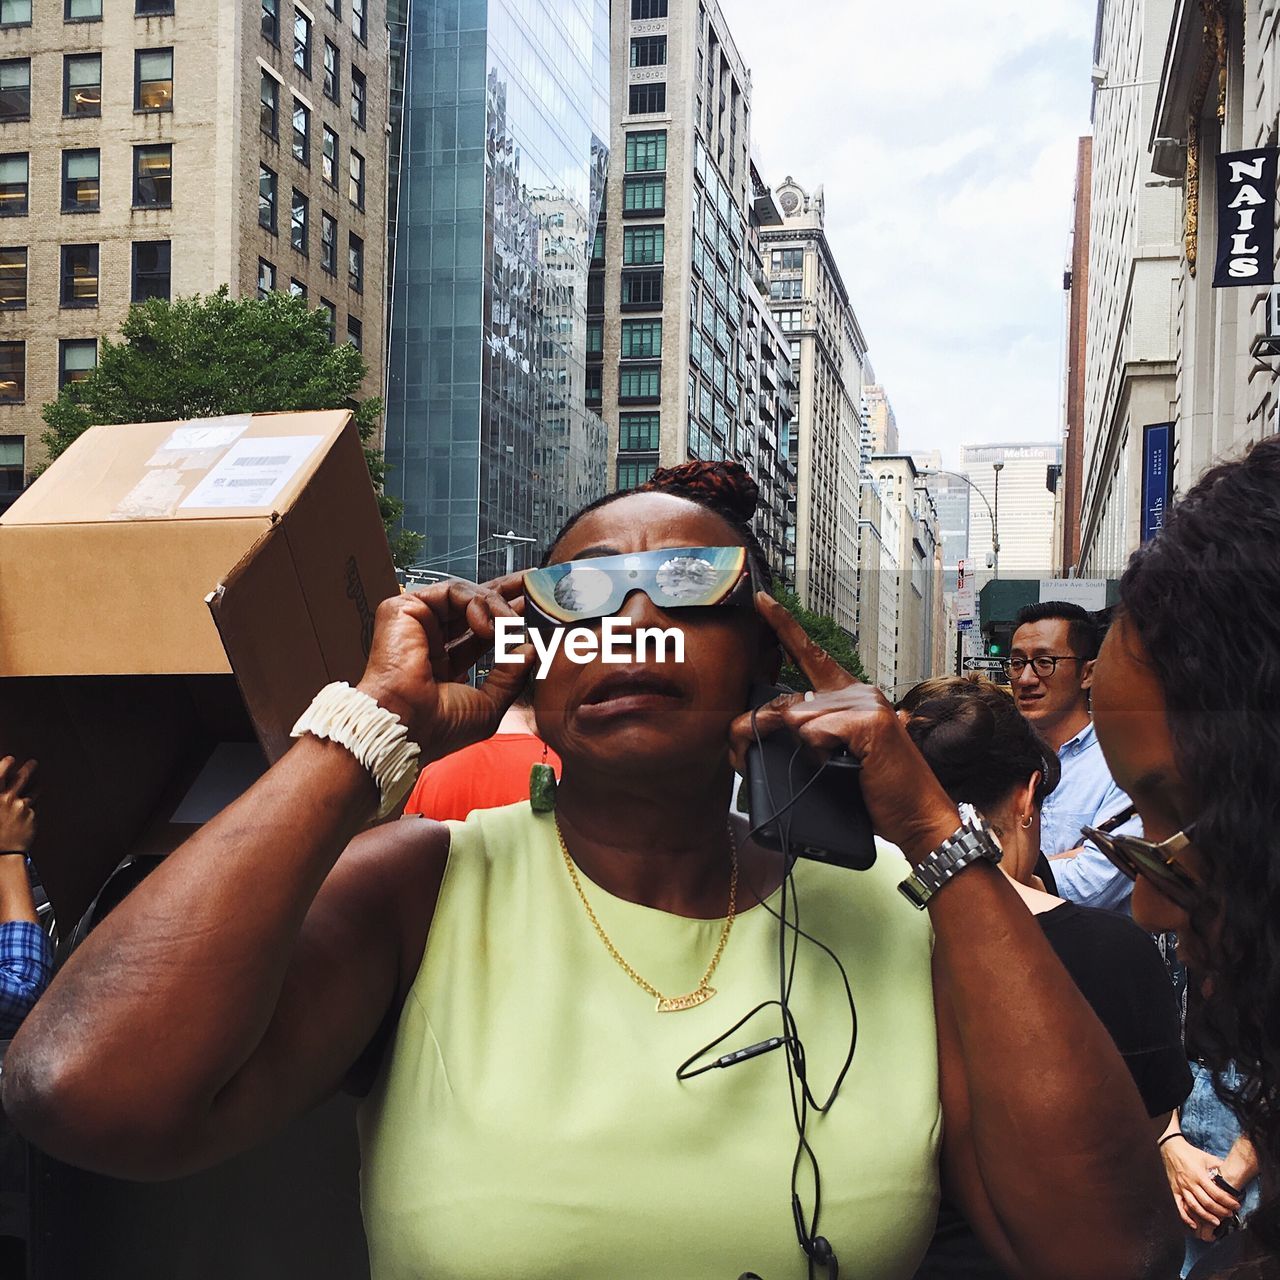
(944,136)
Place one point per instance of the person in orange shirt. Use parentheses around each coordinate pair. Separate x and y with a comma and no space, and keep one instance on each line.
(485,775)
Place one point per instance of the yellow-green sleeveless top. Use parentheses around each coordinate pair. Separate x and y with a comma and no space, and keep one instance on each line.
(528,1122)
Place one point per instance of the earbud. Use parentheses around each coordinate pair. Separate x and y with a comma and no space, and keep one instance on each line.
(825,1255)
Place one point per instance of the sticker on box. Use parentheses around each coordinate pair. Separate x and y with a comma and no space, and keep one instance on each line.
(197,445)
(154,497)
(253,472)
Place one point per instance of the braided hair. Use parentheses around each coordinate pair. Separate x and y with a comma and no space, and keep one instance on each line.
(725,488)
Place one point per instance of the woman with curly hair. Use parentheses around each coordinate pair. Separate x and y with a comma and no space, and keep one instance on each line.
(1186,700)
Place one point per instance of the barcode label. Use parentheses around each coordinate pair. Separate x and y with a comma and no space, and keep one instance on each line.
(262,462)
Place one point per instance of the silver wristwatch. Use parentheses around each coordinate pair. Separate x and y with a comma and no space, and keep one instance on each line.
(972,842)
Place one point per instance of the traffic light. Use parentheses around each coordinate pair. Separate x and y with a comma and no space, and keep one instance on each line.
(995,649)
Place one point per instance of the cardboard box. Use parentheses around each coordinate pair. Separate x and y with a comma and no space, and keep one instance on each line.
(167,588)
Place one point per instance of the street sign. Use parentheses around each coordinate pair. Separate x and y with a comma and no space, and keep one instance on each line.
(984,664)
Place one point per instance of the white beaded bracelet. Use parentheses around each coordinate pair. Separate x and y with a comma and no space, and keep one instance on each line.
(375,736)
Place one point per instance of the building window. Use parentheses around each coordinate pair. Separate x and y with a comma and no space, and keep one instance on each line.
(271,21)
(329,157)
(153,176)
(595,337)
(298,221)
(641,9)
(786,289)
(595,385)
(788,321)
(150,270)
(595,293)
(297,289)
(14,175)
(330,314)
(269,111)
(12,467)
(649,51)
(152,8)
(153,80)
(13,373)
(641,384)
(79,275)
(301,132)
(787,260)
(334,7)
(638,432)
(15,89)
(359,97)
(77,359)
(302,42)
(644,195)
(355,262)
(642,246)
(355,185)
(13,278)
(15,13)
(332,77)
(641,340)
(647,99)
(355,333)
(82,84)
(82,11)
(328,243)
(597,247)
(632,474)
(646,151)
(266,277)
(80,186)
(359,22)
(266,198)
(642,288)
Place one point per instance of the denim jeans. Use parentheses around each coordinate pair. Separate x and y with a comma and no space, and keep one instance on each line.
(1208,1123)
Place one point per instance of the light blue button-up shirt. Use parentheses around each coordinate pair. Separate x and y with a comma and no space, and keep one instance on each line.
(1085,797)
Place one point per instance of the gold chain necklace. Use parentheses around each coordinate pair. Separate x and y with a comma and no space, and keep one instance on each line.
(702,992)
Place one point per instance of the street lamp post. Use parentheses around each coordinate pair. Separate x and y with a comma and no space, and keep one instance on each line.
(994,513)
(511,538)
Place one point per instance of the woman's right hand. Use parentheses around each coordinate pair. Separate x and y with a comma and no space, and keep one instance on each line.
(1200,1202)
(425,642)
(17,816)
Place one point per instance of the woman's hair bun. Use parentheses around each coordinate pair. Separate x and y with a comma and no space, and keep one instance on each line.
(953,735)
(724,486)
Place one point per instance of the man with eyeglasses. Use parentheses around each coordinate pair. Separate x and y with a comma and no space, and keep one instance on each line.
(1050,671)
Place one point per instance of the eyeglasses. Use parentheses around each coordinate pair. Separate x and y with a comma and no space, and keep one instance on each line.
(672,577)
(1043,664)
(1157,862)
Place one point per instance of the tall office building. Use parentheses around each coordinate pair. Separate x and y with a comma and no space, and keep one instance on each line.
(684,361)
(812,307)
(159,148)
(1015,481)
(880,419)
(501,158)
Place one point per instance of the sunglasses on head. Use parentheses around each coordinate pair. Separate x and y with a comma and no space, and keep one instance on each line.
(672,577)
(1157,863)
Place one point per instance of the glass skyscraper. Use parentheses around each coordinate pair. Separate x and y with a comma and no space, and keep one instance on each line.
(499,157)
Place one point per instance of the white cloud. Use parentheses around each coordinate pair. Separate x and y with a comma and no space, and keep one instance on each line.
(944,136)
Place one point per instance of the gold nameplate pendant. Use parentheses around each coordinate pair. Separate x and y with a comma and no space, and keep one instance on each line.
(674,1004)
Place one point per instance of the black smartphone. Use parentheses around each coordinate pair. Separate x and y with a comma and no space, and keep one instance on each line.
(828,822)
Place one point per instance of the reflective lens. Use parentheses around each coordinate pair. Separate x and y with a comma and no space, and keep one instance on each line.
(672,577)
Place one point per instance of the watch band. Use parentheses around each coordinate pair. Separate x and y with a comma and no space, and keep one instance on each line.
(375,736)
(972,842)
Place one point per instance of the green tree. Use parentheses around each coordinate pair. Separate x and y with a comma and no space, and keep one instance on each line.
(823,631)
(204,357)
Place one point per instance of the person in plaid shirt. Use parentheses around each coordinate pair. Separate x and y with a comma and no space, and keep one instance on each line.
(26,957)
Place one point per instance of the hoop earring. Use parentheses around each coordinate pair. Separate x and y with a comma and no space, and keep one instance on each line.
(1026,826)
(542,785)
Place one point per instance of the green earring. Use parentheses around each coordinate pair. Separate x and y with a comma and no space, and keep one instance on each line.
(542,785)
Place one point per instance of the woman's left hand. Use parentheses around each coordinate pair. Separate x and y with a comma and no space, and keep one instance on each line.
(907,805)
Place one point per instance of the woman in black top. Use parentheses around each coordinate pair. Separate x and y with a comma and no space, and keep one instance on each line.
(985,753)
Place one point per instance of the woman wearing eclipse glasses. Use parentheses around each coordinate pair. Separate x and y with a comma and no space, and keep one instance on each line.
(526,1031)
